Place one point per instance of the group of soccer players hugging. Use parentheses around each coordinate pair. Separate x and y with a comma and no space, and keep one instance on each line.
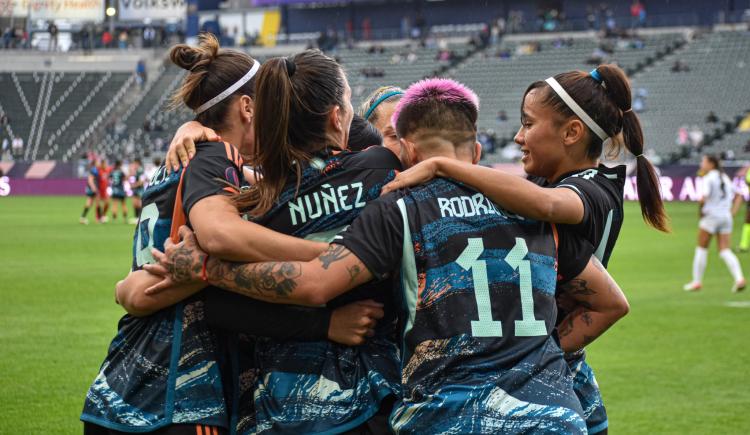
(298,268)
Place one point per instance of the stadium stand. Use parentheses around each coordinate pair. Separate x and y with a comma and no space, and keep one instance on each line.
(500,74)
(106,112)
(57,107)
(715,81)
(373,66)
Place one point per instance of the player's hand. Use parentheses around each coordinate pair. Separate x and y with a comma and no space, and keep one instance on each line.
(180,263)
(414,176)
(182,147)
(351,324)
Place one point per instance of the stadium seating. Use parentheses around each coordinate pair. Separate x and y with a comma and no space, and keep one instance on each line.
(60,114)
(394,64)
(152,113)
(501,74)
(57,108)
(716,81)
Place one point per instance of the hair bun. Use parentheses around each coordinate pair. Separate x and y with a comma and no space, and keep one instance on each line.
(202,55)
(184,56)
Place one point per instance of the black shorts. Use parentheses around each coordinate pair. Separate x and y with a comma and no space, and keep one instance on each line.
(174,429)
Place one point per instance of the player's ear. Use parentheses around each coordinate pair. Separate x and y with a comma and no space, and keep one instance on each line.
(573,131)
(409,155)
(477,153)
(247,108)
(334,119)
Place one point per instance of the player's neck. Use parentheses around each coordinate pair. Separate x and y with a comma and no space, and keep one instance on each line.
(571,166)
(232,136)
(447,153)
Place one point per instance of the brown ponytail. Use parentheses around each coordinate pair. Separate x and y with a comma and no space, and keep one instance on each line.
(294,97)
(608,103)
(617,86)
(211,71)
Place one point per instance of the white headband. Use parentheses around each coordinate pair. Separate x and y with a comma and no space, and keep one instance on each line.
(576,108)
(230,90)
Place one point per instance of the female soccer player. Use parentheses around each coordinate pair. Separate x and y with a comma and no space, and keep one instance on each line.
(378,109)
(117,181)
(566,120)
(719,203)
(497,374)
(311,189)
(162,373)
(102,188)
(92,188)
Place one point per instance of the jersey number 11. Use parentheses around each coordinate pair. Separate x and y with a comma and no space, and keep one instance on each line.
(529,326)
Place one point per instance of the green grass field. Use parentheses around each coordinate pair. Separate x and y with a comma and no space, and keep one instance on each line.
(678,364)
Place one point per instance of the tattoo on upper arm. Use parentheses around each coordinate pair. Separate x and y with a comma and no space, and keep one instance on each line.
(333,254)
(354,271)
(577,287)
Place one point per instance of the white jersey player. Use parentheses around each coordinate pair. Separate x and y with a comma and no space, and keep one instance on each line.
(719,203)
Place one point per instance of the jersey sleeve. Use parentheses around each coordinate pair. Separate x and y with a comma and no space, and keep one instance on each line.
(596,205)
(237,313)
(573,254)
(376,236)
(209,173)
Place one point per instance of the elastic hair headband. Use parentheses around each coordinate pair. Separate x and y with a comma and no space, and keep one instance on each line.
(570,102)
(595,75)
(230,90)
(380,99)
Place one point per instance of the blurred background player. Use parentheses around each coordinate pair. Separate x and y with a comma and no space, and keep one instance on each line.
(137,185)
(92,190)
(103,185)
(719,203)
(117,182)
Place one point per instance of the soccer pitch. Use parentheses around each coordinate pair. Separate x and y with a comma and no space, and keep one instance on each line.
(677,364)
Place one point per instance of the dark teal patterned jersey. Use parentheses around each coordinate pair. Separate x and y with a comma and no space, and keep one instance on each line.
(93,171)
(117,183)
(479,309)
(321,386)
(138,178)
(163,369)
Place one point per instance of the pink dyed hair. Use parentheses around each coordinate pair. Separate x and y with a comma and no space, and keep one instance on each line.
(443,90)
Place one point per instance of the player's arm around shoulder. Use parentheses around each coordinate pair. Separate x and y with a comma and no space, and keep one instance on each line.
(511,192)
(600,304)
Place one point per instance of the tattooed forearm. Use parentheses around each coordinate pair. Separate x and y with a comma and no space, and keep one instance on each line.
(333,254)
(184,265)
(273,281)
